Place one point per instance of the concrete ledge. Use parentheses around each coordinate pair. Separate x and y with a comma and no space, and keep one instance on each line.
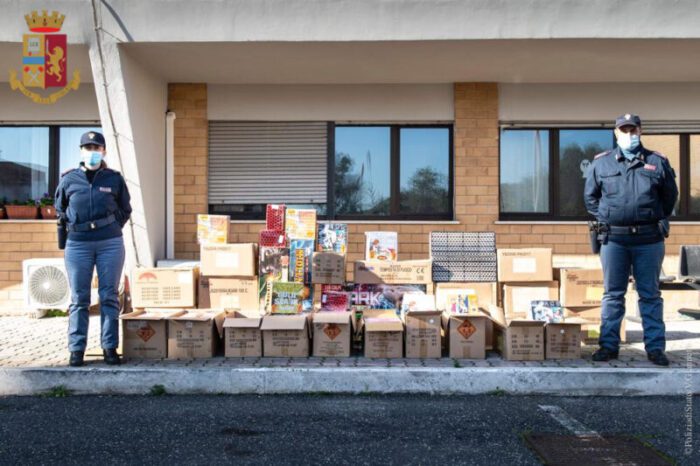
(442,381)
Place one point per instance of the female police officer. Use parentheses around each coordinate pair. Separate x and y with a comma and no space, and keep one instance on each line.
(93,200)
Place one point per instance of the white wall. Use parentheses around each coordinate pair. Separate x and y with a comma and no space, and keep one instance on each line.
(75,107)
(362,103)
(598,102)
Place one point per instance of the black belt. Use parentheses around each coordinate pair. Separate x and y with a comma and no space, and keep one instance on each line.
(94,225)
(633,229)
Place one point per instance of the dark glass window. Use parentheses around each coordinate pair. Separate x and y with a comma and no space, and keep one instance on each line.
(69,146)
(24,163)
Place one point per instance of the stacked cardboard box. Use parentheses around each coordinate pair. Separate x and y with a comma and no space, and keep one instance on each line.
(243,337)
(525,275)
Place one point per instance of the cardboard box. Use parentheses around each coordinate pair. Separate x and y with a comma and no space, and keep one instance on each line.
(563,340)
(522,340)
(525,265)
(234,294)
(145,333)
(383,332)
(212,229)
(229,260)
(203,301)
(381,246)
(486,292)
(466,335)
(332,332)
(172,287)
(328,268)
(423,334)
(195,333)
(399,272)
(517,297)
(285,336)
(243,337)
(676,296)
(416,301)
(590,320)
(581,287)
(300,223)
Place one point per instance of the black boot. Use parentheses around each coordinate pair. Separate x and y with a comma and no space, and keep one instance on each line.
(111,357)
(658,357)
(76,358)
(604,354)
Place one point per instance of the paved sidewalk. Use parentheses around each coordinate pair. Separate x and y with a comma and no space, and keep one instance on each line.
(33,357)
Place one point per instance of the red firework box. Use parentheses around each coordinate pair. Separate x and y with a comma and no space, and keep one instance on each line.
(273,238)
(274,217)
(335,301)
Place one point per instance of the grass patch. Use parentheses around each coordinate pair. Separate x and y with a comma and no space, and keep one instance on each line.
(59,391)
(456,364)
(497,392)
(157,390)
(56,313)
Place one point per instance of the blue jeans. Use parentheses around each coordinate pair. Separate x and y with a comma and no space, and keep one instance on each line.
(644,260)
(81,259)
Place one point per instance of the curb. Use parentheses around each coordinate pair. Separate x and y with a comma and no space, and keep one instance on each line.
(437,381)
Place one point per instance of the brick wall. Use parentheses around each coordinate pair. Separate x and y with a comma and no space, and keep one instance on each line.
(20,240)
(476,148)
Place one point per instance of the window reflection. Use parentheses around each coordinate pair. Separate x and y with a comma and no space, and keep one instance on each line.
(24,163)
(524,171)
(425,158)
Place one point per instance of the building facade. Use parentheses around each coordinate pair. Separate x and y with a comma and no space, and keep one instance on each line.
(403,115)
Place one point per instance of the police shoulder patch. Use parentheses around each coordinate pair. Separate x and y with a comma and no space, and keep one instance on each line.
(658,154)
(602,154)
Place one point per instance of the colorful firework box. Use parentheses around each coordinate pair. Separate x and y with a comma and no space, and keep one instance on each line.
(274,217)
(547,311)
(332,237)
(381,245)
(461,302)
(272,238)
(274,263)
(212,229)
(287,298)
(416,302)
(300,223)
(300,251)
(381,296)
(335,301)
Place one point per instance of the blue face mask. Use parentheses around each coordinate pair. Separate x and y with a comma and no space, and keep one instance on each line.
(91,159)
(628,142)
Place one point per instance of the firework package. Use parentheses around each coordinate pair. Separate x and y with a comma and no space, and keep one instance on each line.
(272,238)
(145,333)
(300,223)
(380,296)
(287,297)
(332,237)
(171,287)
(285,336)
(546,311)
(381,245)
(212,229)
(242,335)
(300,251)
(332,332)
(195,333)
(328,268)
(463,256)
(274,217)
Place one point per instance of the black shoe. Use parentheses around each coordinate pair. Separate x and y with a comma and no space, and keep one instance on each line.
(658,357)
(604,354)
(111,357)
(76,359)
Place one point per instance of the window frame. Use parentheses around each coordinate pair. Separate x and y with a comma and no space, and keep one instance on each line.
(553,215)
(54,156)
(394,174)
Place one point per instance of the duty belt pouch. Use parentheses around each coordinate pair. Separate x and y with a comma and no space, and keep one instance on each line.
(664,228)
(62,234)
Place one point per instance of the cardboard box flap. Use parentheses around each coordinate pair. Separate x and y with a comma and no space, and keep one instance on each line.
(526,323)
(198,315)
(576,320)
(283,322)
(563,324)
(242,322)
(497,315)
(332,317)
(142,314)
(383,324)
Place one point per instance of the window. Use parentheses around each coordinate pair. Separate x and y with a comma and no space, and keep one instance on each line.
(32,158)
(551,164)
(346,172)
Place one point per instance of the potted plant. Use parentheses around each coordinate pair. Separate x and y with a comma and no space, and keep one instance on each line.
(18,210)
(48,211)
(3,201)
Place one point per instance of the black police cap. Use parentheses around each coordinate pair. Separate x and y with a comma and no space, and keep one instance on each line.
(628,119)
(92,137)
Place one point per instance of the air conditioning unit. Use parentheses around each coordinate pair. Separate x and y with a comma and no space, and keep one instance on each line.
(45,285)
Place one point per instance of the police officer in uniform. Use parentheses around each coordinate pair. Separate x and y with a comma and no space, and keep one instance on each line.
(94,202)
(631,191)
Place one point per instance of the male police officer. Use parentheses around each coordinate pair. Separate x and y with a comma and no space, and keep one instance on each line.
(631,191)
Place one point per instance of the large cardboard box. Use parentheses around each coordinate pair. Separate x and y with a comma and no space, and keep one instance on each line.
(234,294)
(423,334)
(517,297)
(383,333)
(563,340)
(581,287)
(332,332)
(393,272)
(486,292)
(525,265)
(466,335)
(195,333)
(328,268)
(243,337)
(203,301)
(590,319)
(145,333)
(212,229)
(285,336)
(172,287)
(229,260)
(522,340)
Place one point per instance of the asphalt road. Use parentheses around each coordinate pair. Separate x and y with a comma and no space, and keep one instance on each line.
(320,429)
